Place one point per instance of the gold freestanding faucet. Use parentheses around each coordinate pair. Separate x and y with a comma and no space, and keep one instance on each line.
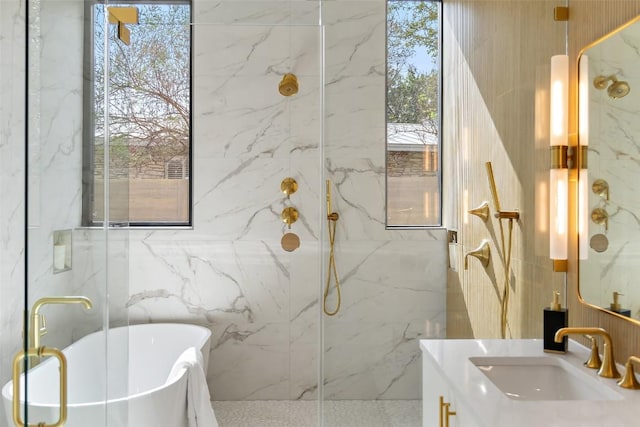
(38,325)
(608,368)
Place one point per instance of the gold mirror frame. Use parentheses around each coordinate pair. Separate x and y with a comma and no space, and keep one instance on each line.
(582,160)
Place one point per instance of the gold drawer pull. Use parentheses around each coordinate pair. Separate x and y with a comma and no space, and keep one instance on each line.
(40,352)
(444,413)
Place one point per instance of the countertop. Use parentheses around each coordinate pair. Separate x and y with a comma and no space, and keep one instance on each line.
(492,408)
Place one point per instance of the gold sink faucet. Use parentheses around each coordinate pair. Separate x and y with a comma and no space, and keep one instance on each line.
(608,368)
(38,326)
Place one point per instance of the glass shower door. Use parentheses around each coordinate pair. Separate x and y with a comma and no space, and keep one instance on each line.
(76,274)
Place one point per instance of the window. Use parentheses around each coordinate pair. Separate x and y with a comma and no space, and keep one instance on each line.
(413,113)
(142,112)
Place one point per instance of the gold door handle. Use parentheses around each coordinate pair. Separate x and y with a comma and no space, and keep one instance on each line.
(40,352)
(444,413)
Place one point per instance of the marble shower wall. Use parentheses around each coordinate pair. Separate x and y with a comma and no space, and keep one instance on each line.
(230,272)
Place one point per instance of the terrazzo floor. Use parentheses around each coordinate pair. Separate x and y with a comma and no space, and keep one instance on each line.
(337,413)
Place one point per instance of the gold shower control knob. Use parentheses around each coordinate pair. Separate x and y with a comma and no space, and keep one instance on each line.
(288,186)
(600,216)
(289,215)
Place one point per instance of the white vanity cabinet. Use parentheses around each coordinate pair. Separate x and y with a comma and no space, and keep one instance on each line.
(561,392)
(441,407)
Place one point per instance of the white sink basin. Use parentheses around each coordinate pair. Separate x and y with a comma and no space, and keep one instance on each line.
(542,378)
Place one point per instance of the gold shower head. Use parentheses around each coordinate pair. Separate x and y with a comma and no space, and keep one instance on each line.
(617,88)
(288,85)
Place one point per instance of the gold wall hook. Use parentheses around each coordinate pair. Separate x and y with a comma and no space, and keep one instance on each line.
(289,215)
(288,186)
(629,379)
(482,252)
(481,211)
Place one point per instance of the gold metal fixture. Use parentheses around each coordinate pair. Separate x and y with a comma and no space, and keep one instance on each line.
(559,156)
(289,215)
(482,252)
(594,361)
(288,186)
(38,353)
(123,16)
(601,188)
(481,211)
(492,186)
(583,157)
(615,305)
(599,242)
(288,85)
(600,216)
(290,242)
(560,265)
(561,13)
(629,379)
(506,252)
(608,368)
(617,88)
(38,323)
(445,413)
(332,223)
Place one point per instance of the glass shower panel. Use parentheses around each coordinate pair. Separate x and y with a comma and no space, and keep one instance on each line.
(76,276)
(12,103)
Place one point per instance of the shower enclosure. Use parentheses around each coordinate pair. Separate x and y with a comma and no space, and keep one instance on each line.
(225,267)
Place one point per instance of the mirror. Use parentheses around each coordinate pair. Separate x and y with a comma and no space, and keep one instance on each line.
(609,180)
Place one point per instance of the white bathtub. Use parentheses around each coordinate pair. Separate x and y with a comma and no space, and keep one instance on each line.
(137,390)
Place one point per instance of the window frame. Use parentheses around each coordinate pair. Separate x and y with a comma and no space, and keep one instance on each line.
(439,122)
(89,122)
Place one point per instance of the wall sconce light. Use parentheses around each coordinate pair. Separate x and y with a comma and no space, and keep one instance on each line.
(559,172)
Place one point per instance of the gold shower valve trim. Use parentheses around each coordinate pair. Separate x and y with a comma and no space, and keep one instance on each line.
(289,215)
(482,252)
(288,186)
(481,211)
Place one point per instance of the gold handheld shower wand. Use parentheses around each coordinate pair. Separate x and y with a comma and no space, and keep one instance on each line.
(332,221)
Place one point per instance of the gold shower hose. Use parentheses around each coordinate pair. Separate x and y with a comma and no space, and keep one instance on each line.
(332,222)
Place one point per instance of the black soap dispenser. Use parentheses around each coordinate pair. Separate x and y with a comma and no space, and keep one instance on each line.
(616,307)
(555,317)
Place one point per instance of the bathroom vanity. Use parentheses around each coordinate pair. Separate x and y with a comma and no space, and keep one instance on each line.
(505,383)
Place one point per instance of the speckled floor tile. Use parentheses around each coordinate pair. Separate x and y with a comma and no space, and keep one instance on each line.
(337,413)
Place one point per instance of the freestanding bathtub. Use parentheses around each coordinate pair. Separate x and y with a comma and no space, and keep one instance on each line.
(129,388)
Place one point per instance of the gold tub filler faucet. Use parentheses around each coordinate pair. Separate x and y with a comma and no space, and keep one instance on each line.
(38,326)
